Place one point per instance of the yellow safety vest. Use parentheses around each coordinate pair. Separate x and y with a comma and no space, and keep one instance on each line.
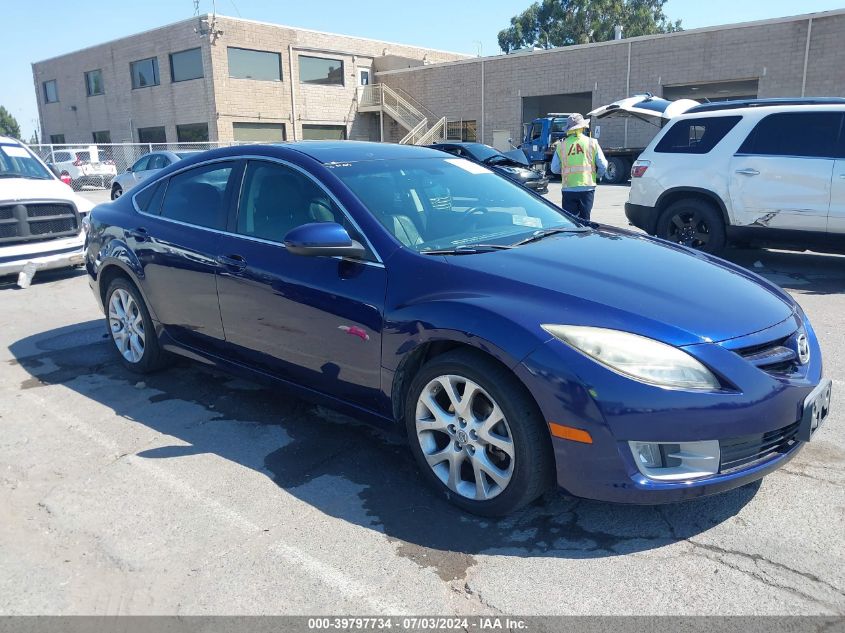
(577,156)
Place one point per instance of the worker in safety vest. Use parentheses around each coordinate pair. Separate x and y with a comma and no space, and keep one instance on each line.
(581,164)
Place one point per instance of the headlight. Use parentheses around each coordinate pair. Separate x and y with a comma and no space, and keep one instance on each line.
(637,357)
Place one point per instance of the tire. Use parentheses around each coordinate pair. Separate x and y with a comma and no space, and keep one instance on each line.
(122,297)
(515,466)
(116,192)
(618,170)
(695,223)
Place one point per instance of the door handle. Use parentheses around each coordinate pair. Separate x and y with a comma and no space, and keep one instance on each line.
(233,262)
(140,234)
(748,171)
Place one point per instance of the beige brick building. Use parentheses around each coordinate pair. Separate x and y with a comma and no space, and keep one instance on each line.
(216,79)
(786,57)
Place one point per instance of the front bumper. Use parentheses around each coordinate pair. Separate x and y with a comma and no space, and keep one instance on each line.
(642,217)
(50,254)
(575,391)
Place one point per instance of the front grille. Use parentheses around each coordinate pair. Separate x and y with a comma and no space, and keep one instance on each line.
(46,210)
(37,221)
(748,450)
(773,357)
(49,227)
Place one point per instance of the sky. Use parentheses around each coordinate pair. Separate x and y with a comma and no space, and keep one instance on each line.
(39,29)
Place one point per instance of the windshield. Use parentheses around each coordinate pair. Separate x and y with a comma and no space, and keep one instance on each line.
(447,203)
(17,162)
(482,152)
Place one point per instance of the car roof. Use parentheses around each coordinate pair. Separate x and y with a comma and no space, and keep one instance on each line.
(762,110)
(354,151)
(10,140)
(758,103)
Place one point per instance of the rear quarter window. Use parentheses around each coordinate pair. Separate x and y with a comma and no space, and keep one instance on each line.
(696,136)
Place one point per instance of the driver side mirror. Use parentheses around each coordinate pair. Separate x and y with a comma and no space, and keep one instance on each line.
(129,169)
(323,239)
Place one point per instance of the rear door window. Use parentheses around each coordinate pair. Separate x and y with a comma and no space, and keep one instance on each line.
(199,196)
(696,136)
(802,134)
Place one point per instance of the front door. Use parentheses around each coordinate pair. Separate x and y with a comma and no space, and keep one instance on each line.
(176,238)
(315,321)
(780,177)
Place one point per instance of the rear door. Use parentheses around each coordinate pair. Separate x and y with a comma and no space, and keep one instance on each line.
(781,175)
(176,237)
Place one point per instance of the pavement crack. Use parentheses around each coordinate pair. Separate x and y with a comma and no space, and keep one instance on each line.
(766,578)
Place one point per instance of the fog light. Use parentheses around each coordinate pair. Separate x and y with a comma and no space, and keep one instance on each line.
(676,461)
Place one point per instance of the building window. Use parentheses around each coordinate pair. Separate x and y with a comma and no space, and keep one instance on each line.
(94,82)
(192,133)
(321,71)
(144,72)
(51,91)
(186,65)
(246,132)
(57,139)
(152,135)
(249,64)
(102,137)
(324,132)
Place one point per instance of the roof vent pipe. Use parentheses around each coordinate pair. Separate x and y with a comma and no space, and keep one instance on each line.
(617,32)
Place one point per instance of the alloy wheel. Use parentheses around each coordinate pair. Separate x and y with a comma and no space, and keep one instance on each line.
(689,228)
(465,437)
(127,325)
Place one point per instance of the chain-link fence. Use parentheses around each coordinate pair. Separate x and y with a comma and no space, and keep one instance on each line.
(95,166)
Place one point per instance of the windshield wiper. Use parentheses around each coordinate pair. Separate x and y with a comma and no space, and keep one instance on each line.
(468,249)
(539,235)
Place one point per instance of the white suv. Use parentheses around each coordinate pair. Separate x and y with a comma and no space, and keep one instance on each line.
(769,172)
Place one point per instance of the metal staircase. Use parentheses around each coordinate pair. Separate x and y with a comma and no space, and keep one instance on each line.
(421,125)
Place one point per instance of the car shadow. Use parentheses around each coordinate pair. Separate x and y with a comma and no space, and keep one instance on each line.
(344,468)
(802,272)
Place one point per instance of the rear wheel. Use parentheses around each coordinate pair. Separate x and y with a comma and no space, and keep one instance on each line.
(131,329)
(477,435)
(695,223)
(618,170)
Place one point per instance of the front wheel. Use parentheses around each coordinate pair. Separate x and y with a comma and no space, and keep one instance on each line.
(116,192)
(477,434)
(695,223)
(131,329)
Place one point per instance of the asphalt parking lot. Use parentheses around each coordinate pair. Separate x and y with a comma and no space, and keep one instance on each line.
(191,492)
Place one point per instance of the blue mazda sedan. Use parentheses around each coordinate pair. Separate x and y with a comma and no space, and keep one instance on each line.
(517,347)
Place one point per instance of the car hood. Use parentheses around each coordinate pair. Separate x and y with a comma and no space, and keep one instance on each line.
(615,279)
(23,189)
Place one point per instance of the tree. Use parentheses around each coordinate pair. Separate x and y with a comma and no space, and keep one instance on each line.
(550,23)
(8,125)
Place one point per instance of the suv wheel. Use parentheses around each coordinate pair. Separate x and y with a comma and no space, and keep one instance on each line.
(477,435)
(695,223)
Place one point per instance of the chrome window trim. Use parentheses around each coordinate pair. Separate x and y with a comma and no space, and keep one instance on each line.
(234,159)
(747,154)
